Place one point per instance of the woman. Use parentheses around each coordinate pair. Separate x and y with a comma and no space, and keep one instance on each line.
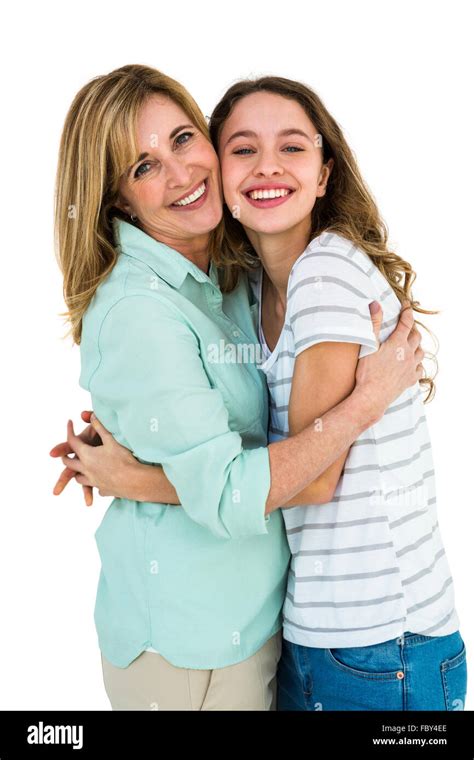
(369,616)
(188,609)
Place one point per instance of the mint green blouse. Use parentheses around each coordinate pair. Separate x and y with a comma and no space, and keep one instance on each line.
(171,366)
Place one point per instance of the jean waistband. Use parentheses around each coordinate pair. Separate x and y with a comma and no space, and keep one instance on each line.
(411,639)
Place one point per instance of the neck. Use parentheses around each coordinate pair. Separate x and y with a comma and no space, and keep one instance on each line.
(278,252)
(194,249)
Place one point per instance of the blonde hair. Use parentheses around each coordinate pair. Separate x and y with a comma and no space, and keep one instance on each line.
(347,208)
(98,144)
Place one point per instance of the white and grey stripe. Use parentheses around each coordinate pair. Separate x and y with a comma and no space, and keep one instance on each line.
(370,564)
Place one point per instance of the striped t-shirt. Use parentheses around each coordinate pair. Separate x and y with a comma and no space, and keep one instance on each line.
(368,565)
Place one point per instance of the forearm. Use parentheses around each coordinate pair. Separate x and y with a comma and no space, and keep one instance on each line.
(319,491)
(300,459)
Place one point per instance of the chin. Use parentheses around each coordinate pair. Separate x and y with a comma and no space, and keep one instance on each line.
(269,226)
(207,222)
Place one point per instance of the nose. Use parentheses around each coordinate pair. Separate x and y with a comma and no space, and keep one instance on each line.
(178,173)
(268,164)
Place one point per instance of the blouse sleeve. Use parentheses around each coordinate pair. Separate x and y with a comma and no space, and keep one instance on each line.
(151,374)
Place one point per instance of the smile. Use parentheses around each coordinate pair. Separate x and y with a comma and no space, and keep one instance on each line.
(259,195)
(193,197)
(268,197)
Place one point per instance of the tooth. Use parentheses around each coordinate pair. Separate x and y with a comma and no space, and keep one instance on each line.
(191,198)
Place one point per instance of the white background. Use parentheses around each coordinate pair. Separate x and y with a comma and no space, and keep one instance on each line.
(397,76)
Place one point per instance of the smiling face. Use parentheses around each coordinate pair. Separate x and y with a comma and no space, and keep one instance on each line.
(271,163)
(174,187)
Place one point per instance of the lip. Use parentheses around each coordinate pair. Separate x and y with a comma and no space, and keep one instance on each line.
(197,204)
(268,202)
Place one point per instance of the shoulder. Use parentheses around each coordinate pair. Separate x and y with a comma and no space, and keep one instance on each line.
(130,317)
(131,290)
(331,251)
(133,313)
(132,331)
(333,263)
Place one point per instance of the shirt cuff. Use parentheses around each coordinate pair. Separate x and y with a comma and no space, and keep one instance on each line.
(248,497)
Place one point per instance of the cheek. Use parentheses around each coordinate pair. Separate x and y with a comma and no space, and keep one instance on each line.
(308,181)
(150,195)
(231,179)
(207,157)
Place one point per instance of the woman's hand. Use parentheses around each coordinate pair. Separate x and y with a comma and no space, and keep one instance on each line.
(90,436)
(111,468)
(397,365)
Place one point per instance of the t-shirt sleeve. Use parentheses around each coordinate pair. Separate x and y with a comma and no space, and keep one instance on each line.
(328,300)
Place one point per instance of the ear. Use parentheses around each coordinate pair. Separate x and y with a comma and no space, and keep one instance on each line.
(121,202)
(123,206)
(324,177)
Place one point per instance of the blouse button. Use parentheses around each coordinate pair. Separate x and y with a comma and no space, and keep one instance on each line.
(236,333)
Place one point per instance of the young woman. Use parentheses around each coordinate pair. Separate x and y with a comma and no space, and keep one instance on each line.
(188,608)
(369,616)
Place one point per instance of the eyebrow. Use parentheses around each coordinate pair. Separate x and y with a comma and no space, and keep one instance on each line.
(283,133)
(173,133)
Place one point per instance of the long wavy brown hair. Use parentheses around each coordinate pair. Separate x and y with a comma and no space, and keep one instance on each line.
(98,144)
(347,208)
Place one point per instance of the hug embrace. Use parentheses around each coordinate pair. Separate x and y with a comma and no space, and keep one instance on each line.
(273,541)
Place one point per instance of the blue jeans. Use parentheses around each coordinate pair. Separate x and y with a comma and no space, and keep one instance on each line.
(412,672)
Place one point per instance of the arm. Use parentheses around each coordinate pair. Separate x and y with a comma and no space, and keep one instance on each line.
(324,375)
(295,462)
(380,379)
(166,412)
(328,306)
(114,470)
(158,401)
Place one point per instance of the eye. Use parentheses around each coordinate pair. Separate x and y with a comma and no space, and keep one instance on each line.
(183,138)
(293,149)
(138,173)
(243,151)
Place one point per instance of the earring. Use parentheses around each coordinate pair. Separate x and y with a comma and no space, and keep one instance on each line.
(132,217)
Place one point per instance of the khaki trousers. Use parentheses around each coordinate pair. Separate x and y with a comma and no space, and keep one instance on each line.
(151,683)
